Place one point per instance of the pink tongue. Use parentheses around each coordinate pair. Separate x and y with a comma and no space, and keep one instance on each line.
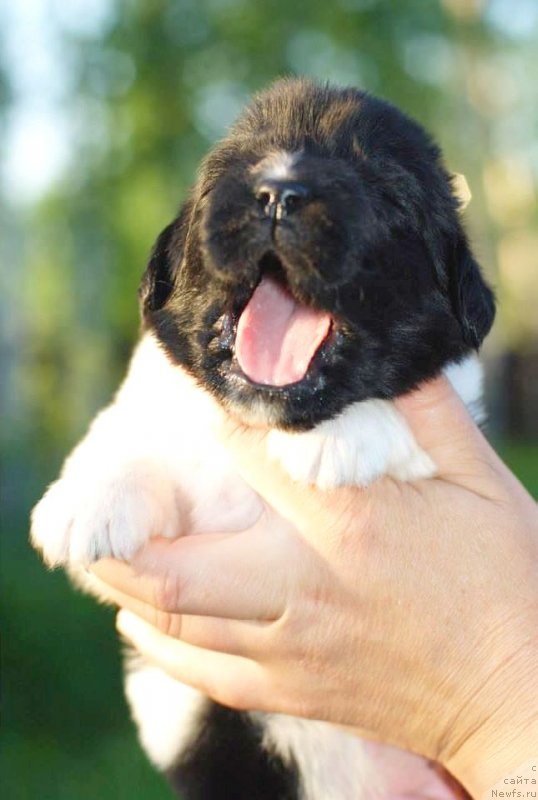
(276,337)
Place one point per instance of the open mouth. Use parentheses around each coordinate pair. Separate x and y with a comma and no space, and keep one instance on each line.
(277,336)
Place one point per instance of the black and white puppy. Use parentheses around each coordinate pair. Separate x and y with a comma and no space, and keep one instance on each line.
(318,270)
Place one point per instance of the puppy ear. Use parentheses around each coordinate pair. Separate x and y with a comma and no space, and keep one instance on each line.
(159,278)
(472,299)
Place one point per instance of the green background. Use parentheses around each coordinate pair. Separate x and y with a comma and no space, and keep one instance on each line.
(143,89)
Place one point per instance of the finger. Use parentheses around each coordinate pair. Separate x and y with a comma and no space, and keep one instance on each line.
(236,637)
(305,506)
(239,576)
(228,679)
(443,427)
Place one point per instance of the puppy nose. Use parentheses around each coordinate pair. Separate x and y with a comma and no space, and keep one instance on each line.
(277,198)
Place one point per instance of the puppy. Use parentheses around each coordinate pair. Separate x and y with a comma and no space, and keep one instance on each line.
(318,270)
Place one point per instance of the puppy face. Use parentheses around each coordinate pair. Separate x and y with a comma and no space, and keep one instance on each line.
(319,261)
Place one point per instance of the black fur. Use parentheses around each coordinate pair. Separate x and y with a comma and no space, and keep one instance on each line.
(226,760)
(379,245)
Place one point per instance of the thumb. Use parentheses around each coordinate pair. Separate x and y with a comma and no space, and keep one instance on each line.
(443,428)
(301,504)
(438,420)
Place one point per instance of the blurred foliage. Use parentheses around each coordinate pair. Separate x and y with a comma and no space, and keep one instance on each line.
(147,87)
(157,81)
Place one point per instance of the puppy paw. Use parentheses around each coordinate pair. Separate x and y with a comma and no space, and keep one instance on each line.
(82,519)
(321,460)
(367,440)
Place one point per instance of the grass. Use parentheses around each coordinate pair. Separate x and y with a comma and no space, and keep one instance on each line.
(66,733)
(522,459)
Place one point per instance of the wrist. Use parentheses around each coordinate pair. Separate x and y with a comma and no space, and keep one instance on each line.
(501,753)
(500,765)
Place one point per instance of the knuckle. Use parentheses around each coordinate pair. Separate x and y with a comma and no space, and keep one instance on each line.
(232,697)
(287,695)
(302,707)
(168,624)
(167,594)
(231,691)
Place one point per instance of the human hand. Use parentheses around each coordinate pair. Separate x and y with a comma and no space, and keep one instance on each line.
(407,610)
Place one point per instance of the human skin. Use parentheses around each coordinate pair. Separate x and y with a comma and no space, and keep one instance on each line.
(408,611)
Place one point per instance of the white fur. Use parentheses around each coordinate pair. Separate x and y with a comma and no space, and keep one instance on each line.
(151,464)
(148,465)
(467,378)
(333,764)
(164,710)
(277,166)
(367,440)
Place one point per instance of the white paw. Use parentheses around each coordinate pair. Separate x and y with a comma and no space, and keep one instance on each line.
(322,458)
(367,440)
(83,518)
